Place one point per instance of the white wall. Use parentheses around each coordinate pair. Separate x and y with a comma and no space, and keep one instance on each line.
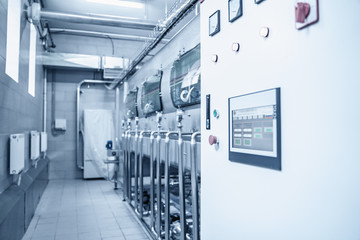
(317,193)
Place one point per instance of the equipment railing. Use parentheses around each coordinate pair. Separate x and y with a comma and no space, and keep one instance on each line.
(134,144)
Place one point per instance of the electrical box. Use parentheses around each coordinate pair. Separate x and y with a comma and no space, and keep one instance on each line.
(255,129)
(60,124)
(35,145)
(43,139)
(17,153)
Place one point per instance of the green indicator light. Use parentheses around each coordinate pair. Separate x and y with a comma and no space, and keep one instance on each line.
(259,130)
(268,129)
(247,142)
(258,135)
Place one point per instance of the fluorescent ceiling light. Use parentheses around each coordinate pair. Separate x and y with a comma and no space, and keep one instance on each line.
(119,3)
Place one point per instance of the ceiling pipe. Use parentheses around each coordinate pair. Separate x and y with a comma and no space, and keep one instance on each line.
(103,35)
(95,20)
(182,11)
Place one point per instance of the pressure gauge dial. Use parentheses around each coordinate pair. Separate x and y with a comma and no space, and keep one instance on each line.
(235,9)
(214,23)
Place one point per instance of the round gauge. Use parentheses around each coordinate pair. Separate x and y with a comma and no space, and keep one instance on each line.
(235,9)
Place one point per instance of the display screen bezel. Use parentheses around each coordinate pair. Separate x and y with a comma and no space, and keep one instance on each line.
(266,159)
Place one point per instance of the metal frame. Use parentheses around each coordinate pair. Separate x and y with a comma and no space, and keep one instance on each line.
(155,150)
(78,156)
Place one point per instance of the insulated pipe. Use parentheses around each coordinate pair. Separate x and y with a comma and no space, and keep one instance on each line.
(158,173)
(78,155)
(179,116)
(167,190)
(152,192)
(136,163)
(95,20)
(194,187)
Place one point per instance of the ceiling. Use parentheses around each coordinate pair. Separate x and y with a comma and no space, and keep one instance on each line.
(151,11)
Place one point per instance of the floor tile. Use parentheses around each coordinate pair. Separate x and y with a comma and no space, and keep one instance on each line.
(79,210)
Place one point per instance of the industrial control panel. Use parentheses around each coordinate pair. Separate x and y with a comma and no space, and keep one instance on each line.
(255,129)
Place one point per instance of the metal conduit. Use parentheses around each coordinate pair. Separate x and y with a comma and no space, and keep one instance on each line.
(96,20)
(103,35)
(182,11)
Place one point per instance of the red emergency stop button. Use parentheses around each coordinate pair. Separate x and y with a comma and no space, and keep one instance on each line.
(212,140)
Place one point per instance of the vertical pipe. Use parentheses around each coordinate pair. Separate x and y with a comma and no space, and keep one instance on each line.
(141,198)
(179,116)
(123,137)
(45,98)
(158,175)
(78,157)
(167,190)
(117,118)
(194,187)
(136,162)
(117,134)
(128,162)
(152,192)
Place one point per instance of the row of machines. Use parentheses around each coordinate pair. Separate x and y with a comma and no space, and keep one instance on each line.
(161,167)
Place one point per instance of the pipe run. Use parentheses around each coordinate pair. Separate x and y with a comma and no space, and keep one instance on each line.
(44,98)
(184,9)
(95,20)
(103,35)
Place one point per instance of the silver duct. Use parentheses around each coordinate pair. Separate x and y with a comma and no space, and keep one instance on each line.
(96,20)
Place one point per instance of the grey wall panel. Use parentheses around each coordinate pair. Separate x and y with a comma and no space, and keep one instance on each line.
(19,111)
(62,147)
(12,214)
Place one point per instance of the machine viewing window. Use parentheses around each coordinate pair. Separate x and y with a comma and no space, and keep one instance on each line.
(150,94)
(254,129)
(185,79)
(131,104)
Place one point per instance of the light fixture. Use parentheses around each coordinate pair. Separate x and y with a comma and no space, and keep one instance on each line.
(119,3)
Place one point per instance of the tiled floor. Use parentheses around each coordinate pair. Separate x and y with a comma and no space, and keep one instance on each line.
(83,210)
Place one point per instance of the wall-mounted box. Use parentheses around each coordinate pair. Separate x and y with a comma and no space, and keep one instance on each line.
(60,124)
(17,153)
(43,140)
(35,145)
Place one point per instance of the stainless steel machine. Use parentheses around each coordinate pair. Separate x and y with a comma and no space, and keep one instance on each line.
(161,149)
